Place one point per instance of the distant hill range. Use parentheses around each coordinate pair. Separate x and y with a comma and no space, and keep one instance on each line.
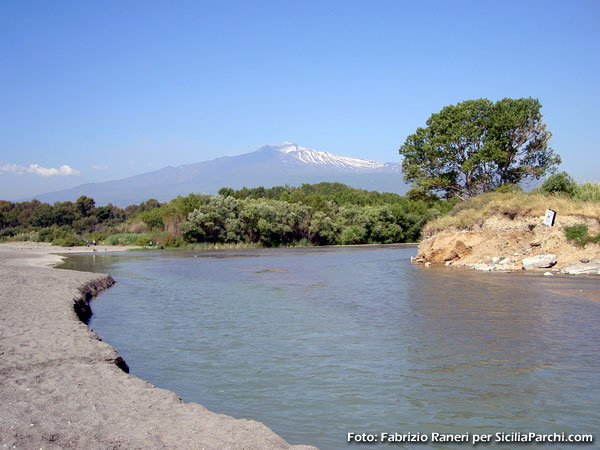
(271,165)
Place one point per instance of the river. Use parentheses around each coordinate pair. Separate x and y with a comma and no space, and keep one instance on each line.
(319,342)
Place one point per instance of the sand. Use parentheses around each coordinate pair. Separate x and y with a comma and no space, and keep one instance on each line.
(61,387)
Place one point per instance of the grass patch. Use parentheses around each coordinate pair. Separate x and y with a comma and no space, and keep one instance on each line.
(19,236)
(127,239)
(579,234)
(588,192)
(160,239)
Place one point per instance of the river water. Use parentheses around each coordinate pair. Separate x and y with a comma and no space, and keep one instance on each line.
(316,343)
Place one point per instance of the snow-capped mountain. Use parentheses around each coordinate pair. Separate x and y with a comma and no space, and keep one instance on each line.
(268,166)
(319,158)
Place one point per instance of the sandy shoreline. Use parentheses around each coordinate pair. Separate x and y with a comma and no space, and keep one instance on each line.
(61,387)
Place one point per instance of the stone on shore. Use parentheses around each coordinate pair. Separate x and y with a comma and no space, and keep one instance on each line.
(539,262)
(584,268)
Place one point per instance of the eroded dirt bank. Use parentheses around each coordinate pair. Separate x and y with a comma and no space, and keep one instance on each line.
(61,387)
(502,242)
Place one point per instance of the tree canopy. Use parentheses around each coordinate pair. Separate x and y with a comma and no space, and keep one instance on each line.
(477,146)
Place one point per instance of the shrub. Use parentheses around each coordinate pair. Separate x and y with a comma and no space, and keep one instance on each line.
(18,235)
(169,240)
(97,236)
(153,218)
(137,226)
(509,188)
(560,183)
(353,235)
(142,240)
(122,239)
(579,234)
(68,241)
(47,234)
(8,233)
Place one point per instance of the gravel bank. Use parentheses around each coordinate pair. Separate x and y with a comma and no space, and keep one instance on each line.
(61,387)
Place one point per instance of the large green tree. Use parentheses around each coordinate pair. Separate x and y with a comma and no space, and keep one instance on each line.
(477,146)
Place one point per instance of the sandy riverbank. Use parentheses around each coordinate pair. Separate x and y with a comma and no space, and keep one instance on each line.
(61,387)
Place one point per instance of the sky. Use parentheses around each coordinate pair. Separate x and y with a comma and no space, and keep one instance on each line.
(95,91)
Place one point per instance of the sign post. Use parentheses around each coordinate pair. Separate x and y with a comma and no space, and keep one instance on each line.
(549,222)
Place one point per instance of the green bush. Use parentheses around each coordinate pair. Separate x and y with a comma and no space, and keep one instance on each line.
(122,239)
(47,234)
(509,189)
(68,241)
(169,240)
(579,234)
(143,240)
(353,235)
(18,235)
(560,183)
(98,236)
(153,218)
(63,236)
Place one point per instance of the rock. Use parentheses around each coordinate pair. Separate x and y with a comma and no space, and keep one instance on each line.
(504,264)
(584,260)
(455,251)
(535,244)
(495,260)
(581,269)
(538,262)
(427,264)
(548,274)
(448,263)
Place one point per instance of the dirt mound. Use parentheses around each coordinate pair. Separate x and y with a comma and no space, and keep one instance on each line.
(502,238)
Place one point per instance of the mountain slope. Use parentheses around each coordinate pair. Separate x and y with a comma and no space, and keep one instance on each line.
(268,166)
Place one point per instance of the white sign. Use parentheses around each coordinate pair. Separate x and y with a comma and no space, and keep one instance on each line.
(549,218)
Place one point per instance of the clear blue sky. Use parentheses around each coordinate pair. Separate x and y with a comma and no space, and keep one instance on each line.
(112,89)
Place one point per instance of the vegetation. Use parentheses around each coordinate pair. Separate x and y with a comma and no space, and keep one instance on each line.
(560,183)
(470,213)
(564,185)
(320,214)
(588,192)
(477,146)
(579,234)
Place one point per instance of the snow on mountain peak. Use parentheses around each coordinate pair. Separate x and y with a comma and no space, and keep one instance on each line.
(320,158)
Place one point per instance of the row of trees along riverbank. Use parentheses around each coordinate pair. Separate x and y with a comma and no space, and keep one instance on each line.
(319,214)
